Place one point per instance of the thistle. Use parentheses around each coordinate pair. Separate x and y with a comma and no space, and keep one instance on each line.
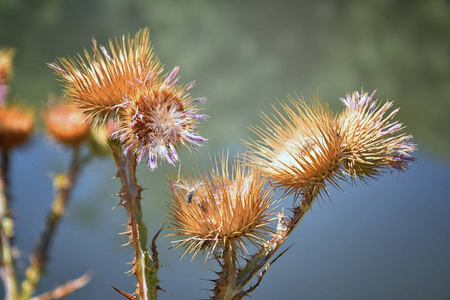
(16,127)
(308,148)
(65,125)
(226,208)
(372,141)
(99,82)
(125,81)
(299,148)
(154,114)
(159,119)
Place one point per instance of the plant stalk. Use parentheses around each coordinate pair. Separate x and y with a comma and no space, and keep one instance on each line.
(225,284)
(145,266)
(262,258)
(4,171)
(7,265)
(63,184)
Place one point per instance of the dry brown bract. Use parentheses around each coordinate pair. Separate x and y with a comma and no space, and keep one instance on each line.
(155,114)
(159,120)
(303,148)
(220,208)
(371,139)
(100,81)
(299,147)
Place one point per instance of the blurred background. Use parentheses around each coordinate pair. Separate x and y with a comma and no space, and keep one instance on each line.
(386,240)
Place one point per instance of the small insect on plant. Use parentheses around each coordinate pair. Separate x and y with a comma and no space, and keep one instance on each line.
(189,188)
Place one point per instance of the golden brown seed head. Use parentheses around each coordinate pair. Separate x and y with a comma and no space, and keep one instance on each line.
(220,208)
(371,139)
(16,127)
(65,125)
(6,56)
(299,148)
(102,80)
(158,120)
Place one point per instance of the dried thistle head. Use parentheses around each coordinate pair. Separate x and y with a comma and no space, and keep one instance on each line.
(228,206)
(102,80)
(64,124)
(16,127)
(6,56)
(372,141)
(299,148)
(155,114)
(158,120)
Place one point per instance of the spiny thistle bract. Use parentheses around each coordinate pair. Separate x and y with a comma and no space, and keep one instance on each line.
(99,82)
(307,148)
(64,124)
(155,114)
(222,208)
(16,126)
(299,150)
(371,139)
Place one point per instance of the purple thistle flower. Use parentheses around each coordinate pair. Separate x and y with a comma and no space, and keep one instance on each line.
(370,137)
(401,162)
(159,119)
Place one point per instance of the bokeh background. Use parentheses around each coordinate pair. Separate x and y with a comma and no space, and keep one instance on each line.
(386,240)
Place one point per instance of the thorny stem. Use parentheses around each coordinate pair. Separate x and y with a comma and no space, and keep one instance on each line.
(259,260)
(63,184)
(225,284)
(145,266)
(7,268)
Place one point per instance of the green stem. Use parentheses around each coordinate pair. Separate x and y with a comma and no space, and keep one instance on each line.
(145,267)
(7,266)
(225,284)
(7,269)
(63,184)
